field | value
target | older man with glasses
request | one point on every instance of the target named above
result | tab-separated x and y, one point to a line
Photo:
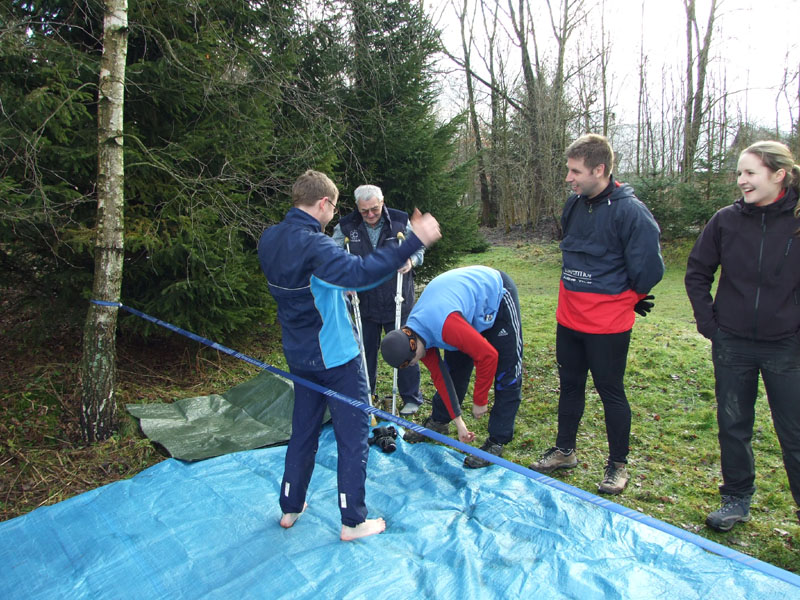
370	226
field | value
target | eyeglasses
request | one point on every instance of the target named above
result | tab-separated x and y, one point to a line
372	210
334	206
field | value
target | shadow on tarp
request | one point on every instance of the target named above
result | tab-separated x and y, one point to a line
254	414
210	529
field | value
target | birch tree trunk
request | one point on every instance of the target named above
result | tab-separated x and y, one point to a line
98	365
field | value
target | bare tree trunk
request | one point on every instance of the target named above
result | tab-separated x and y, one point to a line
796	124
98	365
693	108
640	113
498	136
488	212
605	51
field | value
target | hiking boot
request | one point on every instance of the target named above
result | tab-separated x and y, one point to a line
409	408
555	458
475	462
733	510
615	480
412	437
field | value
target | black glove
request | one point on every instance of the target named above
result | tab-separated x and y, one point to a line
643	306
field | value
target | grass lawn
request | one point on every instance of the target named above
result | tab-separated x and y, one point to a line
674	459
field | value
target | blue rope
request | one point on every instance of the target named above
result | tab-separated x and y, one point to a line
682	534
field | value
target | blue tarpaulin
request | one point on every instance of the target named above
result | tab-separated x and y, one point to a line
210	529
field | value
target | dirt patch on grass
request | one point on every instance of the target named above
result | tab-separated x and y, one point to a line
513	235
43	459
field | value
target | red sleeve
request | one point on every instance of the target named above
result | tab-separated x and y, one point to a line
457	332
442	381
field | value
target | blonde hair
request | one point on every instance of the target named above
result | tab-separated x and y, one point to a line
312	186
777	156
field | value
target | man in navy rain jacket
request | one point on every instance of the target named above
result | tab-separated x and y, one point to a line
611	259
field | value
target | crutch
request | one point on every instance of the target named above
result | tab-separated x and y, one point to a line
357	317
398	302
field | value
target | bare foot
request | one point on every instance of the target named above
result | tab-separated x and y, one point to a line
368	527
288	519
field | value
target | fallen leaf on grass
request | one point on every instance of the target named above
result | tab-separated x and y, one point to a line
781	532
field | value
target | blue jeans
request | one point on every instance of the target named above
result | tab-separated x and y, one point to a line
606	356
737	365
351	428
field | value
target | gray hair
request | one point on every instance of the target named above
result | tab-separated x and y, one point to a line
365	192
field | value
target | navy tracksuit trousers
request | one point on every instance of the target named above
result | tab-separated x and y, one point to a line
351	428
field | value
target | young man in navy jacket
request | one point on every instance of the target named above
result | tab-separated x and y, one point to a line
308	275
611	260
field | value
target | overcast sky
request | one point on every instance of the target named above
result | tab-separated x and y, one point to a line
753	42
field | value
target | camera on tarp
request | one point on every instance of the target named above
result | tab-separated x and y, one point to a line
384	438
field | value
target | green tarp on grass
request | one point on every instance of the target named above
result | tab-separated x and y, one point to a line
254	414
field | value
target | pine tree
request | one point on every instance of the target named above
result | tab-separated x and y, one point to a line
396	140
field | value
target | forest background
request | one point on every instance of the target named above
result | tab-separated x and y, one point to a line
226	102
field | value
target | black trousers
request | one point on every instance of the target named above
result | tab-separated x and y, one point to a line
506	336
606	356
737	365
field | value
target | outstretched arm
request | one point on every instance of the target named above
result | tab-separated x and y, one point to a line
457	332
443	382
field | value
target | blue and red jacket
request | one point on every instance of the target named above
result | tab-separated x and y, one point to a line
452	311
611	259
308	274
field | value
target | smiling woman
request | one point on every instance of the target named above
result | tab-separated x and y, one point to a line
754	320
760	185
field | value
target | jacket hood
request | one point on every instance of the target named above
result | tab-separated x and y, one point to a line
301	217
617	191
